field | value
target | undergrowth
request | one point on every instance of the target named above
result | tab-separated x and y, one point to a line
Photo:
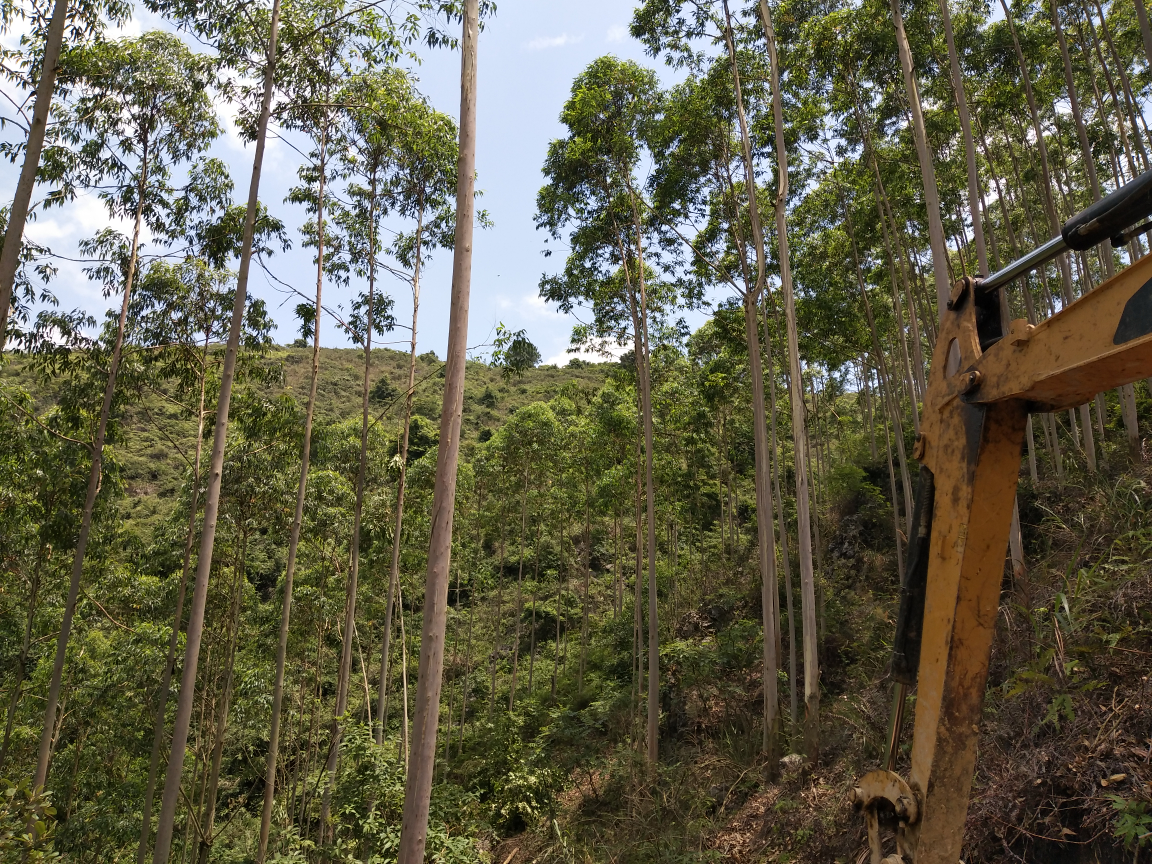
1065	760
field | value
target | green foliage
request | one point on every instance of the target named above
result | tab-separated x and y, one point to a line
27	823
1133	825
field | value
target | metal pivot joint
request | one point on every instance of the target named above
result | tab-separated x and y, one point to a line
885	795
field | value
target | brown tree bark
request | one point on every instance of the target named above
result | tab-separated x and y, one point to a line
927	170
297	523
95	476
195	628
33	147
418	788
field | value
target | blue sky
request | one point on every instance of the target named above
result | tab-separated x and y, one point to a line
529	54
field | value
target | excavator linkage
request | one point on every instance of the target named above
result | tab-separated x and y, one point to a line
984	381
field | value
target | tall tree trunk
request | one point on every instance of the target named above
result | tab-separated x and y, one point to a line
297	520
888	398
895	500
1125	84
467	674
638	297
405	744
220	727
394	570
958	91
34	146
535	584
418	788
764	504
95	476
587	580
497	625
343	681
1145	29
519	589
178	617
783	527
175	771
799	435
927	170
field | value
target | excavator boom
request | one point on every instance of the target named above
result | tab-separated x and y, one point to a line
985	379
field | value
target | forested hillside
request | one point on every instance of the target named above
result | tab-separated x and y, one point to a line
315	603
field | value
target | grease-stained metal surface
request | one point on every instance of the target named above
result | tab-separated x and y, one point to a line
972	433
1101	341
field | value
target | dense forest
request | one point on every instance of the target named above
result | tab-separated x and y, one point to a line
313	603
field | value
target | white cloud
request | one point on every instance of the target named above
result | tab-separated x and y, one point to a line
615	352
543	43
616	33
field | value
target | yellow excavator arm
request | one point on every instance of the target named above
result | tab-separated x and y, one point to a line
987	375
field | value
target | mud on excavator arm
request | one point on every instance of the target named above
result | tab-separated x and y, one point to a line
986	377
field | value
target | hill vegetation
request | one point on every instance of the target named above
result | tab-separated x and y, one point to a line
312	604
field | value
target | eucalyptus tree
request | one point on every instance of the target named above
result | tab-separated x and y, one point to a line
34	71
700	157
142	107
418	786
180	309
323	46
527	446
175	772
407	164
594	191
925	156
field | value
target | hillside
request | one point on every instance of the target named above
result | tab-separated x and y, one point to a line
550	767
157	436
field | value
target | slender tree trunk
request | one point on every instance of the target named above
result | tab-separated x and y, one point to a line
178	617
974	197
95	477
418	788
175	772
644	377
220	727
519	589
587	580
467	674
869	421
497	625
1145	30
799	435
784	553
394	571
343	681
888	398
764	504
535	584
405	748
297	523
927	171
895	503
34	146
